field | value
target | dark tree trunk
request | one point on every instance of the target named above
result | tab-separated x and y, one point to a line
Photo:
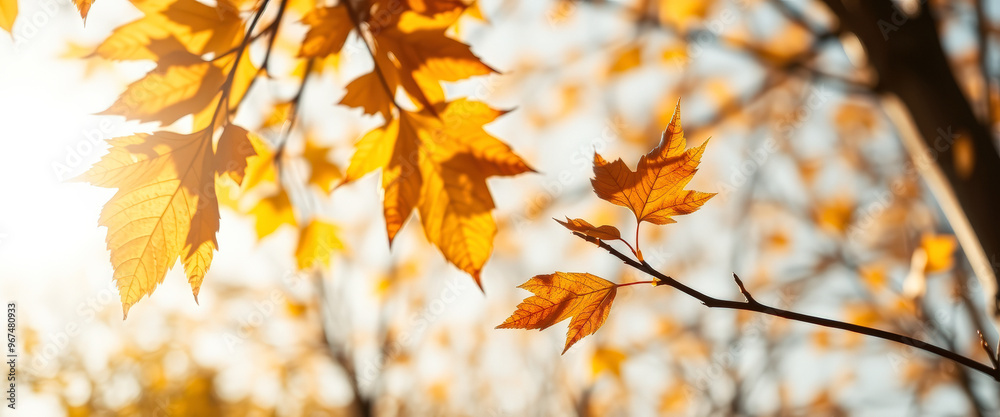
906	53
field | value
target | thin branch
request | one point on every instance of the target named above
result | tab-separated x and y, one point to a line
274	35
982	24
228	84
986	347
293	114
755	306
378	70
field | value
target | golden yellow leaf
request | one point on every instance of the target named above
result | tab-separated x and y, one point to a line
278	115
184	25
835	214
394	149
271	212
165	208
456	211
260	167
322	173
171	91
607	359
626	59
8	13
584	297
316	243
940	250
655	191
681	14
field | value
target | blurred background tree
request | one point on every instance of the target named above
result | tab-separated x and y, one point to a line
853	151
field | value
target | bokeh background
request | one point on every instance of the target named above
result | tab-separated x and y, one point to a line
820	210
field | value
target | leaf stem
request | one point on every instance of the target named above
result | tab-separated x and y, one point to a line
635	283
637	251
752	305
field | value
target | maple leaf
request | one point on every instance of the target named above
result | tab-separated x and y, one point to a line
439	165
165	208
328	30
584	297
170	26
8	12
180	85
655	190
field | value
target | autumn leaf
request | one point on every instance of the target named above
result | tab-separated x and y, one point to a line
579	225
8	12
180	86
584	297
236	146
272	212
940	250
439	165
655	190
84	7
322	173
328	30
173	26
165	209
316	243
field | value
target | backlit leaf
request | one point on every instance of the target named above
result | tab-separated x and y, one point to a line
603	232
8	13
584	297
165	209
655	190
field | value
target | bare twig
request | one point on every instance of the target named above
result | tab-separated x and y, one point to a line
754	306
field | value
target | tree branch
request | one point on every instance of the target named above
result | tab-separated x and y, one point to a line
753	305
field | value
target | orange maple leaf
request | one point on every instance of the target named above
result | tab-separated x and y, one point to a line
584	297
655	190
439	165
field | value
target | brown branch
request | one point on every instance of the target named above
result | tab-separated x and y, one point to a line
752	305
